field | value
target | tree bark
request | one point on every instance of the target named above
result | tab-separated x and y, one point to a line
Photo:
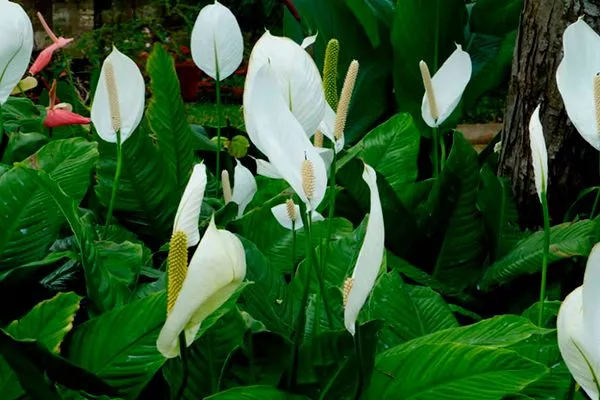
573	164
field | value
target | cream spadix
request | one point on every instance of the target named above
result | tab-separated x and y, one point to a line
578	327
217	44
16	46
216	270
244	187
298	81
290	153
368	263
120	98
444	90
539	154
577	80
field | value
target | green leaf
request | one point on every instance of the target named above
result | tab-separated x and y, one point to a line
206	358
392	149
167	117
120	345
367	19
146	200
30	220
19	114
461	254
22	145
566	240
48	322
253	393
495	17
416	28
451	371
499	212
123	261
408	311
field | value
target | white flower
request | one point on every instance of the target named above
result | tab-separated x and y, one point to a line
578	81
369	258
444	90
578	328
15	47
216	270
298	81
244	187
291	154
539	154
217	44
120	98
188	212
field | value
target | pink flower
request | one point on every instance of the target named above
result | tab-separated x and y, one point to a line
61	114
44	58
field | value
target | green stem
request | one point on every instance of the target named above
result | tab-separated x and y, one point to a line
332	194
1	124
115	186
184	362
434	151
595	206
294	269
443	151
545	257
219	119
360	362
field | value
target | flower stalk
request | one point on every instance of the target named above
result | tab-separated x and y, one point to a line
545	256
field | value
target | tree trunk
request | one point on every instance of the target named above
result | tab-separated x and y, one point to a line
573	164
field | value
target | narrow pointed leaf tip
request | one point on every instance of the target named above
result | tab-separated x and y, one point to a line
16	46
216	270
188	212
120	98
369	258
291	152
298	79
578	325
577	82
244	187
217	44
443	93
539	154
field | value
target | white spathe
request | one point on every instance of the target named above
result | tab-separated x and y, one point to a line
216	270
217	44
188	212
575	79
539	153
267	111
244	187
298	78
130	96
280	212
16	46
578	327
370	255
449	83
327	128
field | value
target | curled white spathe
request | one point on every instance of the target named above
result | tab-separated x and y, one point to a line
280	212
578	327
449	83
130	93
16	46
575	79
217	44
539	153
370	256
287	149
216	270
298	80
188	212
244	187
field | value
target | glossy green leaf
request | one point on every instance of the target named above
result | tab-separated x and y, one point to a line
495	17
566	241
29	218
167	117
22	145
254	393
367	19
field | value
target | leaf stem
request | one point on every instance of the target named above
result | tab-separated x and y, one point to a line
184	362
544	257
360	362
115	186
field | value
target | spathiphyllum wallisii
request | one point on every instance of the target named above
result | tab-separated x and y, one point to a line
185	233
330	74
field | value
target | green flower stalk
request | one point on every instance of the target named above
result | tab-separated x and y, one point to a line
330	68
